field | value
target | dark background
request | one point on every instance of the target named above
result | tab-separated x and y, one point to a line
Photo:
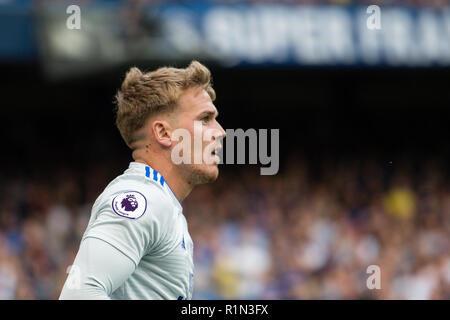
322	113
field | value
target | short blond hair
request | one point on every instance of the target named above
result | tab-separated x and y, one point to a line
144	94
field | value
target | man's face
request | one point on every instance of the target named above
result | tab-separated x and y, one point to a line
197	114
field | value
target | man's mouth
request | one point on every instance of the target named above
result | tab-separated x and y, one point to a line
216	150
215	154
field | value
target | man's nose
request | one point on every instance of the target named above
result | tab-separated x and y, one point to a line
222	132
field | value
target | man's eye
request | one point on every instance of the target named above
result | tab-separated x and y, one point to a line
204	120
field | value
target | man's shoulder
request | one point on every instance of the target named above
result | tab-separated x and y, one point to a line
132	195
136	180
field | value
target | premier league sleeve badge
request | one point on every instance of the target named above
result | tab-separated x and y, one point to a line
130	204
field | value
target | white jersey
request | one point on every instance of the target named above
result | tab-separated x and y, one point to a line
139	215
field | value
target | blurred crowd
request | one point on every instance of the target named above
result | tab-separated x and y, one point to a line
309	232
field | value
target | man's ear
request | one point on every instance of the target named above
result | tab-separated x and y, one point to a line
162	132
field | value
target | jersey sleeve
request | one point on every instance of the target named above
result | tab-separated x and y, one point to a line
99	269
131	220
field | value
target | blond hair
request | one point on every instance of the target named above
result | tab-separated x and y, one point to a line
144	94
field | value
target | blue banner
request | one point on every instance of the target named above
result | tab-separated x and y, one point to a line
117	32
17	38
309	35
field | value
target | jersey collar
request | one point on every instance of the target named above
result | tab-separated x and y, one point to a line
154	175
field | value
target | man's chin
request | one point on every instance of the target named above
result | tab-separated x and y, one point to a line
205	174
212	173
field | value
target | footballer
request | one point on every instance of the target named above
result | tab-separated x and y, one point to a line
137	244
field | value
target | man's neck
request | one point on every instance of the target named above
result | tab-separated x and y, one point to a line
177	184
